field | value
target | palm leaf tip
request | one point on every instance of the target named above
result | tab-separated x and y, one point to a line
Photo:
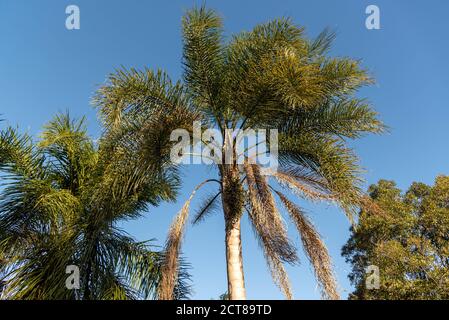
265	217
279	274
169	269
170	262
315	249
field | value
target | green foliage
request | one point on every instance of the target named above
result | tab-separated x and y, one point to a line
409	242
60	202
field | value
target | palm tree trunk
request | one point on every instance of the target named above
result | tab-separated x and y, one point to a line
232	200
234	262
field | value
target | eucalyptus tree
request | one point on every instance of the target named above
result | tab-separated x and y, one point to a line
272	77
60	204
408	244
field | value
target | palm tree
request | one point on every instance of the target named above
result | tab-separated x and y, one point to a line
272	77
61	201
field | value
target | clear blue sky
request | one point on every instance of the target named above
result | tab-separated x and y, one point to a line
45	68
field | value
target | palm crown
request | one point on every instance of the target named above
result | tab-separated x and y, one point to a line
272	77
61	201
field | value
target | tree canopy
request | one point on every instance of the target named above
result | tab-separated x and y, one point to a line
61	200
408	242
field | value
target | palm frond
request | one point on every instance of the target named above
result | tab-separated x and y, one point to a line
345	117
265	217
315	249
332	160
299	187
321	44
279	275
70	153
203	57
58	206
209	205
172	249
275	266
18	157
132	95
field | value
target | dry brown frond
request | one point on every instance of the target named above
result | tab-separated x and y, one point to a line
276	267
266	218
279	275
315	250
301	189
306	176
169	267
265	195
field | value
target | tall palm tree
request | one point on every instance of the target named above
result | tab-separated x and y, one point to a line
60	204
272	77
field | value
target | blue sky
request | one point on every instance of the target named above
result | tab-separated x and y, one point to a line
45	68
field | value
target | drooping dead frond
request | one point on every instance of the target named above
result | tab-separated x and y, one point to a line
300	188
276	267
305	175
315	250
279	275
266	218
172	247
265	196
169	267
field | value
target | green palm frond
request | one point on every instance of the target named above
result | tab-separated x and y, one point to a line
70	152
18	157
321	44
203	59
330	159
342	118
60	202
134	95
